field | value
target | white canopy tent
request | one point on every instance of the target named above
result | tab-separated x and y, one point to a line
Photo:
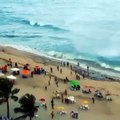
72	99
15	69
11	77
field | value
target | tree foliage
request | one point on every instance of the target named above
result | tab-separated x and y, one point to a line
27	106
7	92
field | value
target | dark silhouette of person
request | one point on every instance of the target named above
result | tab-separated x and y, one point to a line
62	98
46	88
64	64
58	67
52	105
52	101
49	82
16	65
65	92
89	90
55	78
45	107
52	114
78	87
32	74
60	70
51	70
93	100
88	71
67	79
67	64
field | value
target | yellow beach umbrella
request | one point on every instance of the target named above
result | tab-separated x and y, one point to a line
85	102
60	108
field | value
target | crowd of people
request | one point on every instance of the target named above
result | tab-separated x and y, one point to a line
62	96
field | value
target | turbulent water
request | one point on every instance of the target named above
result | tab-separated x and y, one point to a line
71	29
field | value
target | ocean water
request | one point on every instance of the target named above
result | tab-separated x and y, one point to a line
69	29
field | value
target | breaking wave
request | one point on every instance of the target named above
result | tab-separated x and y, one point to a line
41	25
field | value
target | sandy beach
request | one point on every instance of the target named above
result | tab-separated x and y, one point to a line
101	110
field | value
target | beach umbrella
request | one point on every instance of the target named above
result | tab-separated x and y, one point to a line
42	99
71	98
1	74
25	72
15	69
74	82
37	66
11	77
85	102
59	108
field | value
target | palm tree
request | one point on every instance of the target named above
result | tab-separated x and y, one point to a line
27	106
7	92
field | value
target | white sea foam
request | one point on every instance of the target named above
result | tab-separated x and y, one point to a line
105	65
117	69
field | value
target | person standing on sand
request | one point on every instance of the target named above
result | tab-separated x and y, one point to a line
51	70
61	70
58	67
67	80
62	98
52	114
65	92
52	106
88	71
45	106
64	81
63	64
55	78
46	88
89	90
52	101
32	74
67	64
49	82
16	65
93	100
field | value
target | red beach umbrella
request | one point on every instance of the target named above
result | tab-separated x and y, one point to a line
37	66
25	72
42	99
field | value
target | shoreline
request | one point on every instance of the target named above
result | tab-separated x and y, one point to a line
84	61
44	59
